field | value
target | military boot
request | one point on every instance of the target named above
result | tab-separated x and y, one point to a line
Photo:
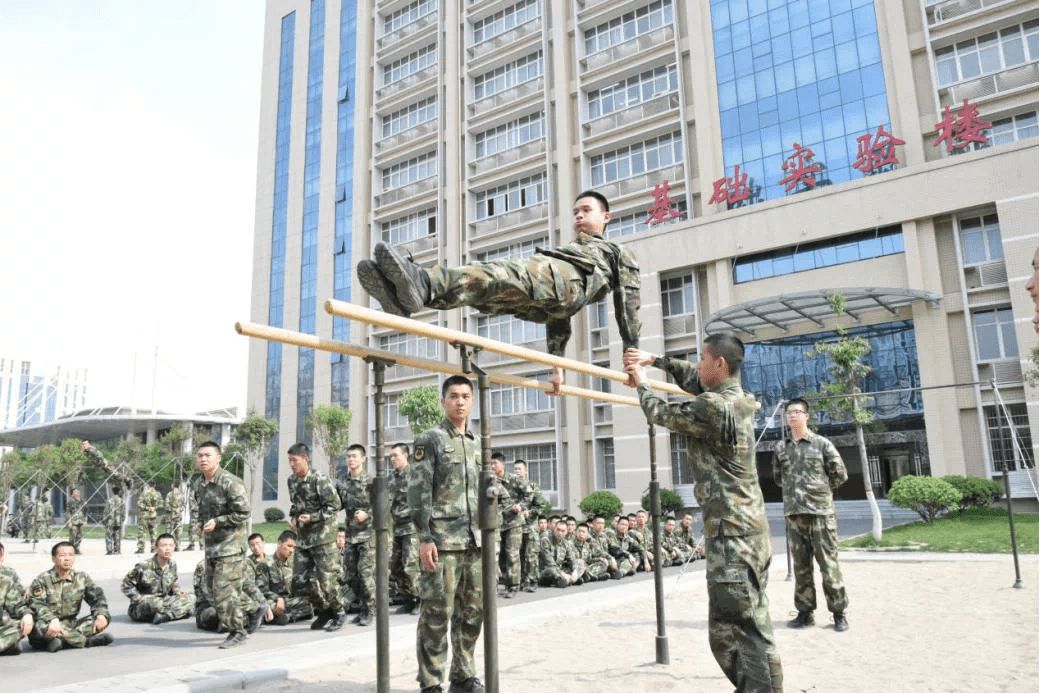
470	684
379	287
804	619
840	622
410	281
102	639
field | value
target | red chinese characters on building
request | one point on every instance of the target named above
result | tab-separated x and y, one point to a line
800	168
877	151
731	190
662	209
960	129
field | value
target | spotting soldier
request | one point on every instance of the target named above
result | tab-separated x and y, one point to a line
175	514
643	540
359	561
148	503
257	552
113	520
77	519
16	619
55	597
152	587
404	557
673	552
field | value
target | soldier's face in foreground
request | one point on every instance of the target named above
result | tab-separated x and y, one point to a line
300	465
65	559
712	369
208	461
598	525
398	458
581	533
520	470
590	217
355	461
669	525
458	403
560	531
687	520
256	546
164	548
286	549
622	526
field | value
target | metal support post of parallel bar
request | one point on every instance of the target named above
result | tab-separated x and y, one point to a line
1007	486
380	522
661	641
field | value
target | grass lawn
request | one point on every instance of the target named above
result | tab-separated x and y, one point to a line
978	530
268	530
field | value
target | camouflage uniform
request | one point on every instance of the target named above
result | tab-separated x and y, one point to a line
442	495
206	614
274	578
549	287
532	501
12	608
643	543
404	557
511	530
194	526
359	559
623	548
600	546
53	598
152	589
148	504
315	562
672	544
42	516
596	566
113	519
77	519
807	470
26	516
223	499
721	452
558	562
174	515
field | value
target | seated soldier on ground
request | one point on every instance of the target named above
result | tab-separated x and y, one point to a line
643	540
560	567
673	553
597	568
253	604
622	548
55	597
601	545
275	580
256	554
18	621
152	587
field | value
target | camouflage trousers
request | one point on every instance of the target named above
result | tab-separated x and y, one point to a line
318	571
76	633
404	564
509	554
555	576
194	535
529	556
595	569
146	527
41	530
816	536
206	617
740	631
176	606
76	535
297	608
626	564
113	538
359	569
227	590
10	634
537	289
451	593
174	527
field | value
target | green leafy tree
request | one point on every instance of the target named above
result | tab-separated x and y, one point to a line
421	406
842	398
46	464
330	427
255	435
13	466
976	492
174	440
601	503
929	496
671	502
72	461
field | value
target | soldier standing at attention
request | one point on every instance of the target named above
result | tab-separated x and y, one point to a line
55	597
77	519
113	520
807	467
148	504
194	526
26	508
313	511
404	557
532	502
359	558
14	605
511	532
223	511
549	287
442	493
175	514
152	587
42	516
721	451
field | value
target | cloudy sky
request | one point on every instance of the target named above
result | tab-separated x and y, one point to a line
128	140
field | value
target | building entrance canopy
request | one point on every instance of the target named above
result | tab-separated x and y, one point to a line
786	311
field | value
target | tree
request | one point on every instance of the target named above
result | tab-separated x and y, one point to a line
174	439
255	435
45	460
601	503
842	399
421	406
929	496
71	460
330	426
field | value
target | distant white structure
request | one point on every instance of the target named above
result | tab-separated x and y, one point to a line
37	392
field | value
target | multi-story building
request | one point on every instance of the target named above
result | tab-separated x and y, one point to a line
760	158
33	392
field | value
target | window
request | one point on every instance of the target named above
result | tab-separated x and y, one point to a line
507	76
410	228
986	54
410	64
506	400
627	225
677	295
410	116
412	345
510	197
509	329
602	411
605	464
415	169
408	15
516	250
980	239
392	418
633	91
541	465
634	160
502	21
509	136
1007	130
682	472
995	334
628	26
1003	439
845	249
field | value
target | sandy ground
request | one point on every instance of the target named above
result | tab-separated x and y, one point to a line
916	626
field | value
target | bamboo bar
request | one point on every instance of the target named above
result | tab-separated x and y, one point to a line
382	319
290	337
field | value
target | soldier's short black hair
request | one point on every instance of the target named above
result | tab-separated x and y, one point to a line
622	518
455	381
252	537
210	444
286	535
300	450
519	461
116	489
729	347
598	517
164	536
57	545
498	456
357	447
593	194
797	401
583	525
404	447
341	529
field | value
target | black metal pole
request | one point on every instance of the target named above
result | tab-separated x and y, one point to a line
1007	495
381	526
661	641
488	512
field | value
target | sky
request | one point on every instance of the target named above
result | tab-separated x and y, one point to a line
128	141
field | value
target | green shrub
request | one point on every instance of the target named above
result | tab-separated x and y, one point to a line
670	502
976	492
601	503
929	496
273	514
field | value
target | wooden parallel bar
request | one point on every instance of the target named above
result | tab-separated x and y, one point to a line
291	337
382	319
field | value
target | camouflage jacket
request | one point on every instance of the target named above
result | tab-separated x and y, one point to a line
314	495
203	586
557	554
51	597
510	492
149	578
670	540
607	267
356	495
443	487
399	509
114	511
720	448
643	538
148	504
623	546
12	596
174	504
532	500
223	499
583	550
274	578
598	544
76	514
44	511
686	537
807	470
